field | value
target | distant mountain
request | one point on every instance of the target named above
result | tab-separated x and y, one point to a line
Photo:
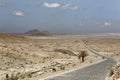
36	32
32	31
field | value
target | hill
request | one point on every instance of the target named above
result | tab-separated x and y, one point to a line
10	36
36	32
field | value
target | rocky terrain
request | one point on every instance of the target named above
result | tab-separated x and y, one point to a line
33	58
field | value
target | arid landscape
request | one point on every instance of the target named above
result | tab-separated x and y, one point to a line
33	58
24	57
59	39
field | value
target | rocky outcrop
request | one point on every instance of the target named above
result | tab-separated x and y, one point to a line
115	73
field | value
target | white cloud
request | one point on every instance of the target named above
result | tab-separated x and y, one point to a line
69	6
60	6
107	24
18	13
51	5
103	24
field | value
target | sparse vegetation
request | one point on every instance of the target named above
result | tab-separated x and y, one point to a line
13	76
82	55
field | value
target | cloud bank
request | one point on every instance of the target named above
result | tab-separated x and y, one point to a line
60	6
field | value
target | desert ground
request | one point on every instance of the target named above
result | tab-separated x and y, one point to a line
34	58
108	45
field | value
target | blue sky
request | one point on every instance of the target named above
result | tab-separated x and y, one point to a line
61	16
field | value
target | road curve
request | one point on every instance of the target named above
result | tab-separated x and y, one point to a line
97	71
91	50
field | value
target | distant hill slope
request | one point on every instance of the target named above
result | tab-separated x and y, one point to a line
36	32
11	36
32	31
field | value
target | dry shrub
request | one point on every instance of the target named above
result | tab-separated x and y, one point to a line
82	55
62	67
13	76
111	72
